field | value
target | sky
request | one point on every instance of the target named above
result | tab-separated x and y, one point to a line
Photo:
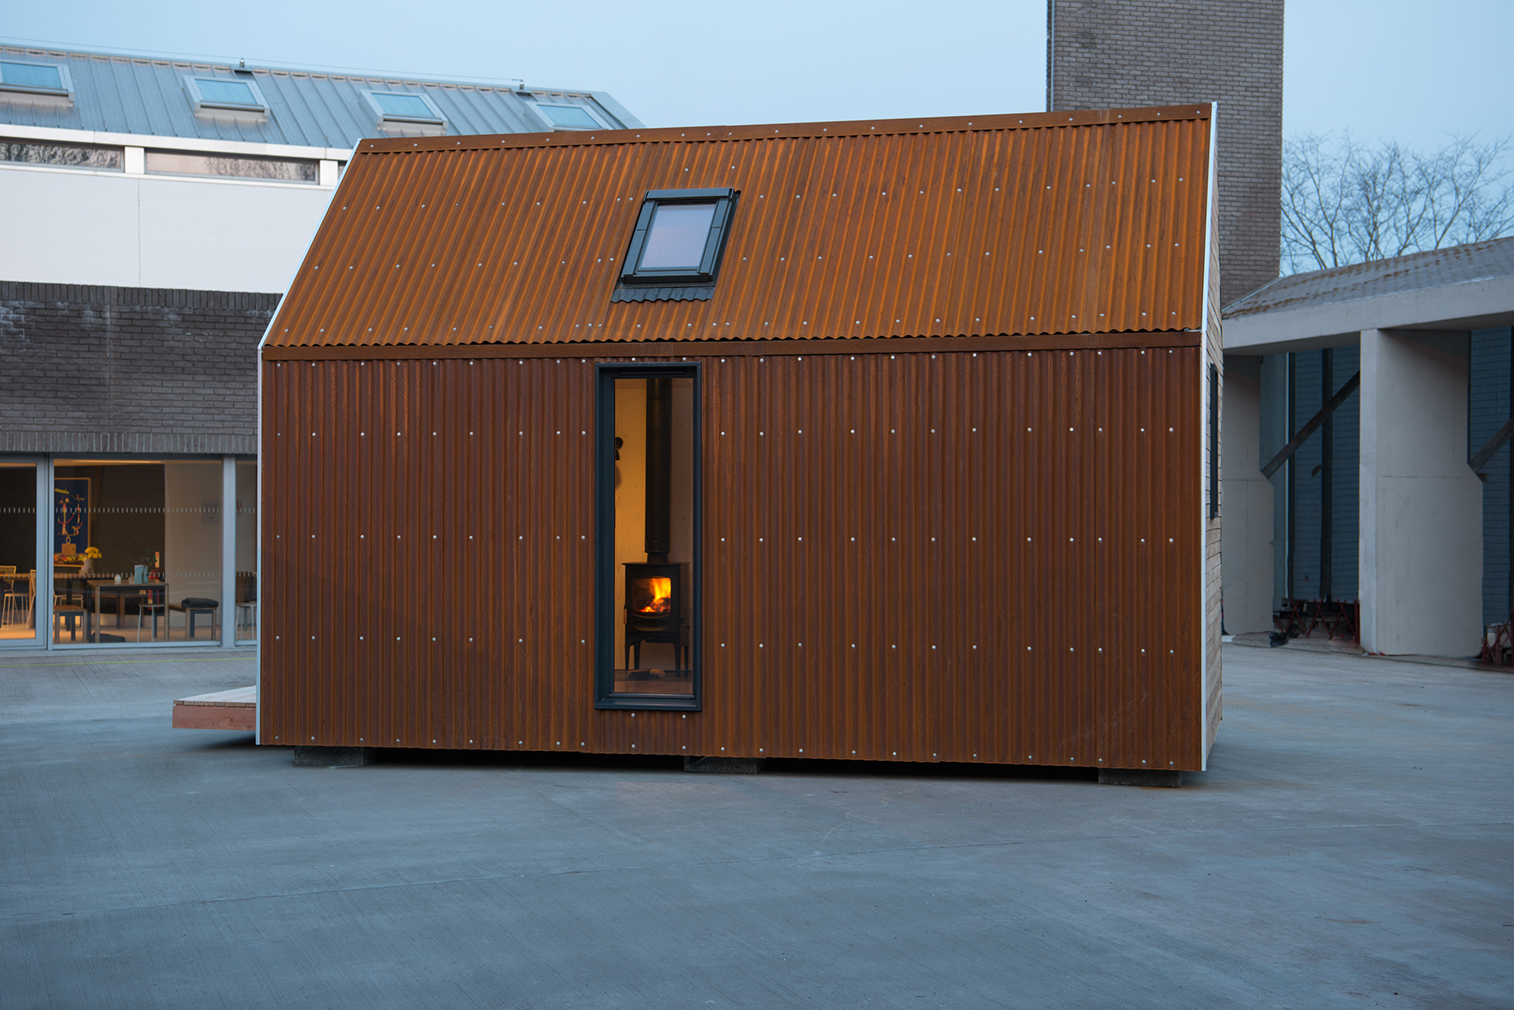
1399	70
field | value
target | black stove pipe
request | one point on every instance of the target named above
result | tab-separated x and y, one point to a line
659	469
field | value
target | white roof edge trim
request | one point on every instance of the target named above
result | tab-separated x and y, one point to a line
13	131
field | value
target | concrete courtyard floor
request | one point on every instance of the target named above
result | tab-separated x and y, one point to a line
1350	846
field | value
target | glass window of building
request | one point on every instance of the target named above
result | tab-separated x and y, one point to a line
232	166
647	563
137	548
18	553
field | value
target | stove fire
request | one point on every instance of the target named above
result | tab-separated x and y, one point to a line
652	595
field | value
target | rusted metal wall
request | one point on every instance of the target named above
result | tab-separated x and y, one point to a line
1003	225
925	556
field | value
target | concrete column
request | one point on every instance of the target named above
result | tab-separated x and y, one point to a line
1246	525
1420	552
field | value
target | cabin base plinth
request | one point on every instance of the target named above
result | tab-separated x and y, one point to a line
333	757
1139	777
723	765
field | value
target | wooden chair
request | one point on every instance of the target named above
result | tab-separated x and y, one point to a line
19	601
247	598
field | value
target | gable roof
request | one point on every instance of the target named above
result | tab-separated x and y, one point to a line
145	96
1065	222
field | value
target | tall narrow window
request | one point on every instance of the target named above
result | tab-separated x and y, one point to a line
647	545
1214	441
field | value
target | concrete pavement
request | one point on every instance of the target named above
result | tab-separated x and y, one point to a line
1349	847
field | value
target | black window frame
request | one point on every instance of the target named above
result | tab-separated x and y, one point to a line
631	272
605	574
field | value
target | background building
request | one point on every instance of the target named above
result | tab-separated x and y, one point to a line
1378	502
155	211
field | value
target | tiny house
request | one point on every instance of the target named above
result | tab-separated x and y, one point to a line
870	440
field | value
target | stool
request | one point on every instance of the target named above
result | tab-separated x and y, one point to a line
192	605
152	603
70	613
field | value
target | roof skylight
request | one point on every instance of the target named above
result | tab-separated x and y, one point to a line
568	117
679	237
405	107
241	95
34	78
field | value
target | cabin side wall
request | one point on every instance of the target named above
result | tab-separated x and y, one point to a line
914	556
1213	356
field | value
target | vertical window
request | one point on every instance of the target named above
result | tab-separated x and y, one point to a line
1214	441
647	538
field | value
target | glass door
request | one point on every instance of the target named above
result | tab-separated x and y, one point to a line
24	611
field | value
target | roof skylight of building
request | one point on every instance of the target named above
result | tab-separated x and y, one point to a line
208	93
568	117
679	237
34	78
405	107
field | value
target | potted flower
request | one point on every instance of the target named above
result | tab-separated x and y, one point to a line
91	555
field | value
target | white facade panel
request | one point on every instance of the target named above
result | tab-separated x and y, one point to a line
73	227
110	228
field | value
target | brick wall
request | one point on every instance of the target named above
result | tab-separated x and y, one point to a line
131	370
1112	53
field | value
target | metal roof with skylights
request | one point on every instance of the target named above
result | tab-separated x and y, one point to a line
107	93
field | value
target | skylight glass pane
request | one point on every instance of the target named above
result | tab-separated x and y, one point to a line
568	115
29	75
407	106
677	236
226	92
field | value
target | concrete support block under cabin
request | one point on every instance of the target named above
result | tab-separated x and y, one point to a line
1140	777
723	765
334	757
1420	555
1246	537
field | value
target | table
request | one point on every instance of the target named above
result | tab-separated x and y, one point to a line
122	591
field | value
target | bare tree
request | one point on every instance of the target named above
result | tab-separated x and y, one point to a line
1346	202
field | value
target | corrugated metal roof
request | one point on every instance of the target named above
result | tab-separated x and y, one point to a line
1043	223
1477	261
146	96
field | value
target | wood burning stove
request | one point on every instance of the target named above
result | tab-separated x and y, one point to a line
657	609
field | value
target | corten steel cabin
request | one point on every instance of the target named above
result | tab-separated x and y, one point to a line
873	440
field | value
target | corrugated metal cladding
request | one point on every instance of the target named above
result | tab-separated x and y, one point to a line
930	557
1038	224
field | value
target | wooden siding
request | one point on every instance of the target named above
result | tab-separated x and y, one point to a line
1213	593
966	556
